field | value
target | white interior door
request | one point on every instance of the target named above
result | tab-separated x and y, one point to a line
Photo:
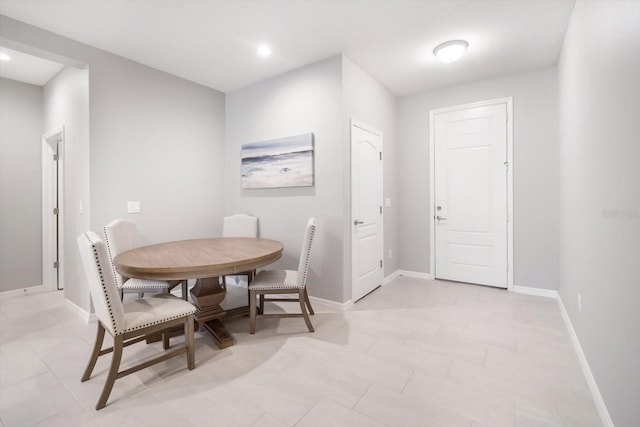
366	209
470	149
52	148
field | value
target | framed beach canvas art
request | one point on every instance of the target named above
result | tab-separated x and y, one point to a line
282	162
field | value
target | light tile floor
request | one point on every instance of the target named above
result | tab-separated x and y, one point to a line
413	353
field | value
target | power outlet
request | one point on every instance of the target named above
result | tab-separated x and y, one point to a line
579	303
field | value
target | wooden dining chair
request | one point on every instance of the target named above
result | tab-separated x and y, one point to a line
239	225
130	322
120	236
284	282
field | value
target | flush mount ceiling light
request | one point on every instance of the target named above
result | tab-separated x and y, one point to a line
450	51
264	50
4	56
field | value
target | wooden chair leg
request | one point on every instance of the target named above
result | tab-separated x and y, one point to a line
165	339
188	336
185	290
306	299
118	343
97	346
140	294
261	307
303	307
252	312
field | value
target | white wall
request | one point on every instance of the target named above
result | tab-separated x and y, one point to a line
535	171
22	119
66	102
599	84
305	100
367	101
153	137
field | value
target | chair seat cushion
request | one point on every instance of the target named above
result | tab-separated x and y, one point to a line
135	283
275	279
149	311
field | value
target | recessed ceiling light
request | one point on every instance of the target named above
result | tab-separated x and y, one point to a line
4	56
264	50
450	51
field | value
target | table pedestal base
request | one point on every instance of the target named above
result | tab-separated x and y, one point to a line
207	295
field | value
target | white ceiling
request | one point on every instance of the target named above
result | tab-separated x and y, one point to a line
28	68
214	42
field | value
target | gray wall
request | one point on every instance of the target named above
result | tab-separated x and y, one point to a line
321	98
367	101
535	171
599	84
305	100
66	102
22	118
153	137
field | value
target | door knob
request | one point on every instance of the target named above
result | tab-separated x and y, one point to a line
356	222
440	218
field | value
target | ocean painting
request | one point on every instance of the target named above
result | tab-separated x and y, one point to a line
283	162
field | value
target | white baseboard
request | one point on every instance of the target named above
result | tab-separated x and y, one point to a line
407	273
591	381
390	278
341	306
538	292
86	316
24	291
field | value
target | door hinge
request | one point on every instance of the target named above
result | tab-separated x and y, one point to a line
55	157
381	155
380	263
56	211
56	264
380	210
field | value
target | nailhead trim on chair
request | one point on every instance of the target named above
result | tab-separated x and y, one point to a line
147	284
303	282
104	287
113	267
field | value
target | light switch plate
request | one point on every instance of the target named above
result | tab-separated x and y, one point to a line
387	202
133	207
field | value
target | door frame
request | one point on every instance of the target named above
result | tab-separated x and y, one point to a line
49	281
355	123
432	113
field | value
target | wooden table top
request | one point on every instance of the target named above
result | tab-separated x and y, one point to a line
198	258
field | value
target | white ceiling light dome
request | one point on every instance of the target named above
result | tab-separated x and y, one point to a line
264	50
450	51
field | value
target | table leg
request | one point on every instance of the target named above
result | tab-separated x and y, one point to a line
207	295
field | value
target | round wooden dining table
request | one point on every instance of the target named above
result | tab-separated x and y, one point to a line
204	260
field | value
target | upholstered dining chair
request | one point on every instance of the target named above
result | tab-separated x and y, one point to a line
130	322
284	282
120	236
239	225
